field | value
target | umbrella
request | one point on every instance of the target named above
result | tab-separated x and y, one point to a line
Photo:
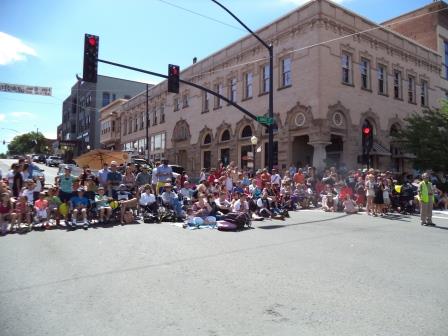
97	157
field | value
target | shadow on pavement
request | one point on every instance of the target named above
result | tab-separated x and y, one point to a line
280	226
397	217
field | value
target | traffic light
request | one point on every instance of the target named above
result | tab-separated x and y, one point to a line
173	78
90	69
367	137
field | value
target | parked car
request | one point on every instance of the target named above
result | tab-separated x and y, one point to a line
54	161
35	158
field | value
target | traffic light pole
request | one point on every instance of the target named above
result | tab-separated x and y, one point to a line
271	84
200	87
147	124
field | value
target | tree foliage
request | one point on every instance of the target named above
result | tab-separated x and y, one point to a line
32	142
426	136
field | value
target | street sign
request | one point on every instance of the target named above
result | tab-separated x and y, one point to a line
265	120
26	89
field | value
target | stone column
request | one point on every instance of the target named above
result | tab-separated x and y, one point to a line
319	155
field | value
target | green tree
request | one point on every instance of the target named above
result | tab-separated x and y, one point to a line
32	142
426	136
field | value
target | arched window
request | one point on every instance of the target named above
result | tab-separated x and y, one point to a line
225	136
247	132
394	130
207	139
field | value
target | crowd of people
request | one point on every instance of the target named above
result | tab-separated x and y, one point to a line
123	193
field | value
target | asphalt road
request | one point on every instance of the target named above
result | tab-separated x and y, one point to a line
314	274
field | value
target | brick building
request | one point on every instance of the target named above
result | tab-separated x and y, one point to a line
324	92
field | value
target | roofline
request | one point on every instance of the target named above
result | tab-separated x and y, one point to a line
387	28
415	11
117	102
299	8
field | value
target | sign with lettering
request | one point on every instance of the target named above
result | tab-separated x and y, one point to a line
26	89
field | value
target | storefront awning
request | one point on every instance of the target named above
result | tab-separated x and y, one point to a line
379	150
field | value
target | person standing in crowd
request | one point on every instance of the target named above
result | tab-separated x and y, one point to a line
426	196
370	193
102	176
17	180
144	177
65	183
129	178
114	179
164	175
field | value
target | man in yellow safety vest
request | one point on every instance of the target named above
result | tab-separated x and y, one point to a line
426	196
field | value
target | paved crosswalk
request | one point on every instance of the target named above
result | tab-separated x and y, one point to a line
440	214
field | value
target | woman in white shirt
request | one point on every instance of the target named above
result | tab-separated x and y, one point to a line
148	200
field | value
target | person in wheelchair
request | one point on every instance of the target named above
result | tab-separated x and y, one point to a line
147	200
79	205
127	202
102	205
170	199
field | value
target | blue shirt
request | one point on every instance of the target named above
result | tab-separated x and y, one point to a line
77	201
115	178
164	173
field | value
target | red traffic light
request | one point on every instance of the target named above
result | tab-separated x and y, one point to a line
92	41
366	130
174	70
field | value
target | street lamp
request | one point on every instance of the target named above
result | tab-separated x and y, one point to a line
254	141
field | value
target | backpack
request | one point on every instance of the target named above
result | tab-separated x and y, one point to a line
226	226
239	219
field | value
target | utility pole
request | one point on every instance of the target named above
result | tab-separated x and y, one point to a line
147	123
271	85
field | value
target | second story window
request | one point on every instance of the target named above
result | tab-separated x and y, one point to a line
424	93
125	126
162	114
382	79
185	100
232	89
398	85
218	88
154	117
411	89
176	103
365	74
142	121
346	63
445	67
205	102
286	72
106	99
248	85
130	126
135	124
265	79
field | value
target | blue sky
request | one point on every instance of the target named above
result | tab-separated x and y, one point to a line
41	43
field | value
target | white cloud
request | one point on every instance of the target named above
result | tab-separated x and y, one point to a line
13	49
301	2
22	115
2	117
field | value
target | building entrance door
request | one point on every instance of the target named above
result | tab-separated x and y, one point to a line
182	159
302	152
334	151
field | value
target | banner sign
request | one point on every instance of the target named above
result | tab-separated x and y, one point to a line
26	89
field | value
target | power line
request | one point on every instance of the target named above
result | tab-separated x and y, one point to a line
201	15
